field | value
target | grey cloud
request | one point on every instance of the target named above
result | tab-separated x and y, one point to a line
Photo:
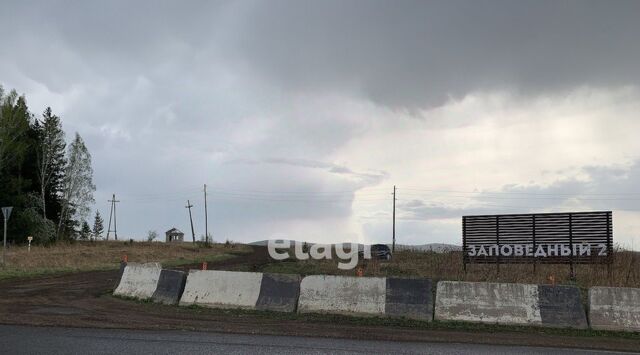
418	210
606	188
364	178
419	53
405	55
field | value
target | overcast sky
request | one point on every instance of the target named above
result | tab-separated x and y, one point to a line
300	116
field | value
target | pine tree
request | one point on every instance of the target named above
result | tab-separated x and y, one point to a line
50	156
98	226
85	231
14	133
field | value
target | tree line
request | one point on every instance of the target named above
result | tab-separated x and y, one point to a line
47	180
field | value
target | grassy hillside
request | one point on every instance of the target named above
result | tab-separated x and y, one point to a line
85	256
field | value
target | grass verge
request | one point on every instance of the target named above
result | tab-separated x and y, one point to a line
322	318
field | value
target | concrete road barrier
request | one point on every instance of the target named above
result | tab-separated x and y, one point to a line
123	264
224	289
614	308
561	307
250	290
410	298
279	292
504	303
378	296
342	294
487	302
139	280
170	287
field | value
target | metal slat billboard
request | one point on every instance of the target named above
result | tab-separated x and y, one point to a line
545	238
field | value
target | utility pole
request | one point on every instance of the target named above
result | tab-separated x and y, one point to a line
115	218
193	233
206	217
115	223
393	246
110	215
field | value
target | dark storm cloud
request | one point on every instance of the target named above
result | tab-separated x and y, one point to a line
406	55
416	53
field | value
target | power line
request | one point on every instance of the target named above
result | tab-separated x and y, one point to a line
154	194
520	193
254	198
253	194
297	196
160	198
538	198
279	192
371	196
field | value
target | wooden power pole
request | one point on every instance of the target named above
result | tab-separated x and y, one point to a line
393	245
193	233
206	217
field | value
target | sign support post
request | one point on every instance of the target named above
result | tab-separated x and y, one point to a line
6	211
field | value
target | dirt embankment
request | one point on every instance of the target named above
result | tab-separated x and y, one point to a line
81	300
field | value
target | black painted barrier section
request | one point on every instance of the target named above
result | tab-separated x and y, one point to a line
410	298
120	272
170	287
561	306
279	292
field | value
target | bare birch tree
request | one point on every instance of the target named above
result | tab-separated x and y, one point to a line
77	186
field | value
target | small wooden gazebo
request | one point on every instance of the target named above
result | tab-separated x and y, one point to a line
174	235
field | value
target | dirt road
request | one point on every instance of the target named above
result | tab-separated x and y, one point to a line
82	300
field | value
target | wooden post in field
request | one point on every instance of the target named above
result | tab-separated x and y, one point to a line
206	217
393	245
193	233
6	211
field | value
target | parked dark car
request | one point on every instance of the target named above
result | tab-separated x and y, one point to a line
378	251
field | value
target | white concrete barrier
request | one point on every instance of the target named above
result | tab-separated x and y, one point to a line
614	308
224	289
252	290
507	303
139	280
500	303
342	294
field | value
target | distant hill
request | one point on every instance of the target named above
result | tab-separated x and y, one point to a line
435	247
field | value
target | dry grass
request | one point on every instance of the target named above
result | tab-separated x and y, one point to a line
84	256
80	256
625	271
